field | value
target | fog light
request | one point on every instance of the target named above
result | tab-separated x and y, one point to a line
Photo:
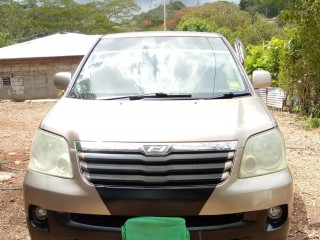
275	214
40	214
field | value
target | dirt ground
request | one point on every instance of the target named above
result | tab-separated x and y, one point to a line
18	122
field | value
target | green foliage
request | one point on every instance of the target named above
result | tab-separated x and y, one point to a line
216	17
259	31
291	70
301	66
255	58
267	57
176	5
268	8
315	110
298	66
25	19
152	19
313	123
196	25
13	19
220	13
5	39
296	109
226	32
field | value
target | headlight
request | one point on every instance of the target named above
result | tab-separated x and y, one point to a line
50	155
263	154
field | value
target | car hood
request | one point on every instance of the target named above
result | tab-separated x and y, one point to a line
158	121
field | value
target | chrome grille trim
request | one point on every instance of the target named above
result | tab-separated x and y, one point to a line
119	168
167	147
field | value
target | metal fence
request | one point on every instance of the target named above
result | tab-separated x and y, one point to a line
272	97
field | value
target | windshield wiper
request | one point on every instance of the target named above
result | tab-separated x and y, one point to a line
148	95
229	95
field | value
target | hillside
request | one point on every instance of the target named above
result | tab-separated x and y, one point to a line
146	5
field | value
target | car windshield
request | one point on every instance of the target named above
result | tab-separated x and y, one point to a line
197	67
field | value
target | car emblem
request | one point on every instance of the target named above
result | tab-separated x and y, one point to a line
156	149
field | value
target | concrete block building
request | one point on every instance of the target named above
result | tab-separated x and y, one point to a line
27	69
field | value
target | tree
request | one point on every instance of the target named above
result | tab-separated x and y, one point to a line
216	17
94	17
267	56
301	64
219	13
259	31
13	20
153	19
118	10
26	19
177	5
5	39
268	8
197	25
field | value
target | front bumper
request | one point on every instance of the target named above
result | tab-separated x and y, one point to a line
244	226
237	209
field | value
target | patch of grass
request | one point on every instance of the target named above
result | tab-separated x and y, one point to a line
313	123
296	109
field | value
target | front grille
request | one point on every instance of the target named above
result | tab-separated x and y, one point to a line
111	168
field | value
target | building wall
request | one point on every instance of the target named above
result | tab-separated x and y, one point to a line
33	78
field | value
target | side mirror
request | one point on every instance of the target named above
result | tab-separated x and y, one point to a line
261	79
239	50
62	80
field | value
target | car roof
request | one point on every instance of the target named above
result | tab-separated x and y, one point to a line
161	34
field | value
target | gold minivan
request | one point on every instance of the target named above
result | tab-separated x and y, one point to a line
162	124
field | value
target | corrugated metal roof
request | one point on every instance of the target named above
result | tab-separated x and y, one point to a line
57	45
